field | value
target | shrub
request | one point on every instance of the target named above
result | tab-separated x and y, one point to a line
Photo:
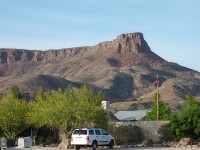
126	134
147	142
164	134
164	111
184	125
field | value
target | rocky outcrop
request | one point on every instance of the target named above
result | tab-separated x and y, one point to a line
125	43
132	42
128	50
13	55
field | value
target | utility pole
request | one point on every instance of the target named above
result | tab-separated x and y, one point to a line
157	99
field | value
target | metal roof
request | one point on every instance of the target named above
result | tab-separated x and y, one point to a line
131	115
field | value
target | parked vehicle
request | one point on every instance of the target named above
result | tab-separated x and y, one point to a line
91	137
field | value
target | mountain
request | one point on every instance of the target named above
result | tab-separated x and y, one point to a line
124	69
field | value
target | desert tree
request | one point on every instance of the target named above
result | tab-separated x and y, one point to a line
187	124
69	109
164	111
13	110
15	91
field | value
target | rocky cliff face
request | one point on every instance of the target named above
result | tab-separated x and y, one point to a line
132	42
124	69
13	55
125	43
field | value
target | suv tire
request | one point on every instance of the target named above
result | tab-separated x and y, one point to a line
111	144
94	145
77	147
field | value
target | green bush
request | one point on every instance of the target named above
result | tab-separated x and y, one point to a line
147	142
39	140
126	134
164	134
164	111
184	125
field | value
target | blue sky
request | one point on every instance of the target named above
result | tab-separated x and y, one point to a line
171	27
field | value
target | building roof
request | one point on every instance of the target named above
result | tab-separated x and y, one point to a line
131	115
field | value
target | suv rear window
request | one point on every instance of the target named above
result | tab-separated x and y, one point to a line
80	132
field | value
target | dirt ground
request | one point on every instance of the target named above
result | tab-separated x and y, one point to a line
130	148
115	148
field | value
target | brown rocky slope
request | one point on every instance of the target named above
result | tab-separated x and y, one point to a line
124	69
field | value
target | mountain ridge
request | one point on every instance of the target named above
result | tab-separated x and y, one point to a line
131	42
124	69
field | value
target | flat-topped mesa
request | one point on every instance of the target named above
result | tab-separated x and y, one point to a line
125	43
132	42
130	35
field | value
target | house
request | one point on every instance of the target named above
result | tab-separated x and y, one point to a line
134	115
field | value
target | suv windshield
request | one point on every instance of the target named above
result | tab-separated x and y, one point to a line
103	132
80	132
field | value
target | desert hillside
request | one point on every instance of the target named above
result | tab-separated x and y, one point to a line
124	69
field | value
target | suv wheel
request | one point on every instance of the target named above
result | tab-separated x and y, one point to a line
77	147
94	145
111	144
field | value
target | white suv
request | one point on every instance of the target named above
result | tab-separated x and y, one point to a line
91	137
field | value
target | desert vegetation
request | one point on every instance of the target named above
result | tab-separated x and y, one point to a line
126	135
65	110
183	125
